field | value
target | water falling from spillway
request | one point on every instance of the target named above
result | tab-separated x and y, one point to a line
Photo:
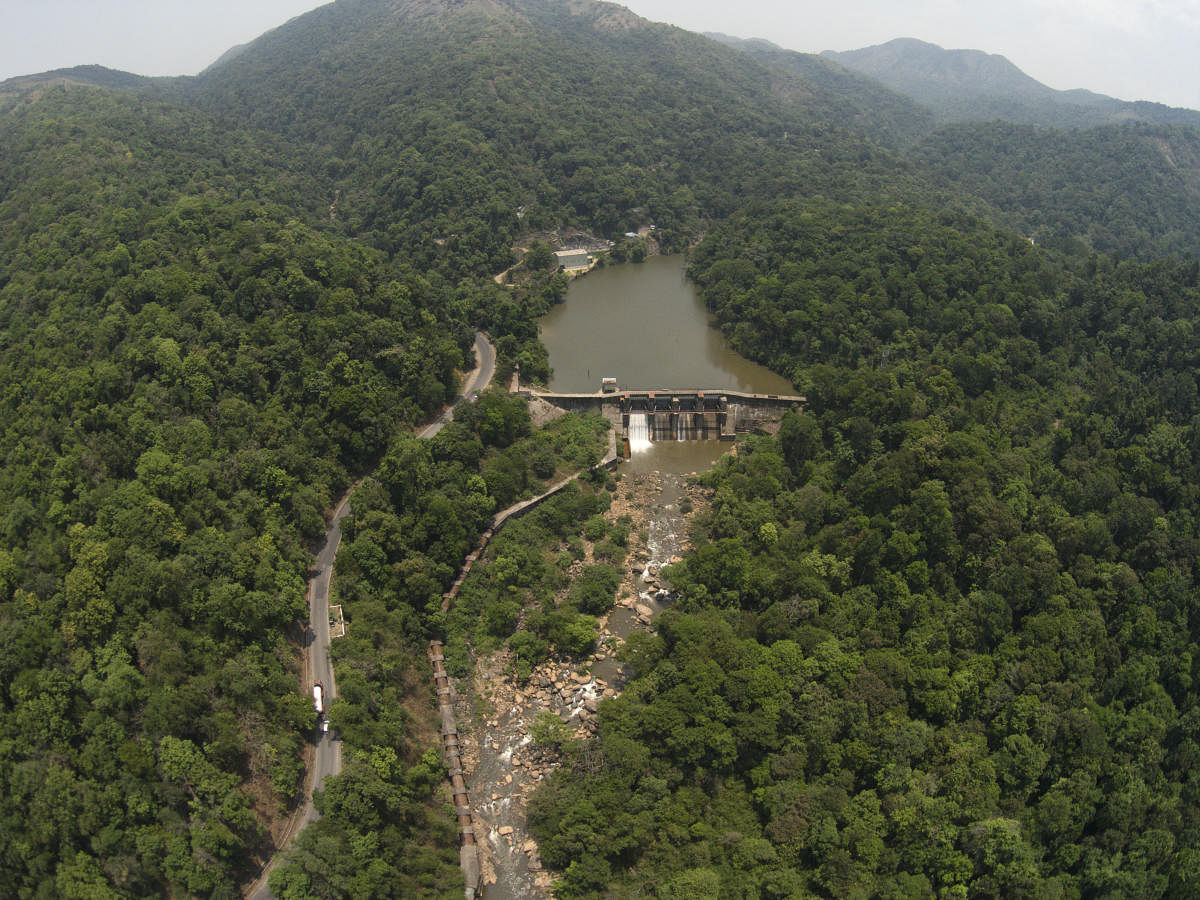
639	433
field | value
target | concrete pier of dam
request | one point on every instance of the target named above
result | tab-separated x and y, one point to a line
677	414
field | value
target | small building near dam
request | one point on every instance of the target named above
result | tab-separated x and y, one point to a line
573	259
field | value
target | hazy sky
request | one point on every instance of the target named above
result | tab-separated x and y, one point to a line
1132	49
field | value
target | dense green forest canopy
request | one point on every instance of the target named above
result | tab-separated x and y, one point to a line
938	636
191	375
446	131
449	129
1128	190
944	622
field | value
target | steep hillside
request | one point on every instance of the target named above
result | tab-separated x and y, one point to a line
100	76
190	376
14	90
1132	189
859	98
969	85
449	127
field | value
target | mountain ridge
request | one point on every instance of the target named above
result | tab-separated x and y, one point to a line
225	298
971	85
579	107
93	75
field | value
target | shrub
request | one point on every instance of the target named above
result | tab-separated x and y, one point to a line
593	592
595	528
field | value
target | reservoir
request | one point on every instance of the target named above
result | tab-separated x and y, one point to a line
645	325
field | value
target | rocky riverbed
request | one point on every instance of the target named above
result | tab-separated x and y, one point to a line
504	765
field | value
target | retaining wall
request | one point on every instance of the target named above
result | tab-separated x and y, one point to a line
468	853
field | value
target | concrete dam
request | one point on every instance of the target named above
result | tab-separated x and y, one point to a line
640	417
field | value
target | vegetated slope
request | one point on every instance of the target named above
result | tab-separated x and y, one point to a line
1129	187
195	361
969	85
447	130
190	377
125	152
1132	189
859	98
939	636
452	127
13	89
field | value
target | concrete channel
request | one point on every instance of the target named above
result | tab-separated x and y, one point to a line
468	855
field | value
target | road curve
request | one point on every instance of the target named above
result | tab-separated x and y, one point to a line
481	377
328	757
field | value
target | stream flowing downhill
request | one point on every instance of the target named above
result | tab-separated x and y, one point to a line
505	765
589	337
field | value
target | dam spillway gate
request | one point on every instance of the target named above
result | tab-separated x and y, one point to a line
691	414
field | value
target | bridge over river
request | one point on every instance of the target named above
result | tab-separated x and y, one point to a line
678	414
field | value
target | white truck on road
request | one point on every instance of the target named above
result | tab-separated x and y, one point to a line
319	706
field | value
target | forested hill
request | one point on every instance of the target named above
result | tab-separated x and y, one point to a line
1075	170
969	85
440	122
190	377
860	96
224	299
445	130
1130	190
100	76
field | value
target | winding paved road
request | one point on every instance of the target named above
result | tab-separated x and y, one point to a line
485	369
328	758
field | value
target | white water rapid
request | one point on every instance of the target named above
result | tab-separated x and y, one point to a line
639	433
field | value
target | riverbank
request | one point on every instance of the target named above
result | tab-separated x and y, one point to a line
503	760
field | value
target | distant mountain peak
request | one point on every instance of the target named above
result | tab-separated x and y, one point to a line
95	75
971	85
907	63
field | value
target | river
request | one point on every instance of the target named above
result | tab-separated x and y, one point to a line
644	325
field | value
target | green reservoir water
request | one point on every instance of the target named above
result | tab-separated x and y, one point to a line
643	324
